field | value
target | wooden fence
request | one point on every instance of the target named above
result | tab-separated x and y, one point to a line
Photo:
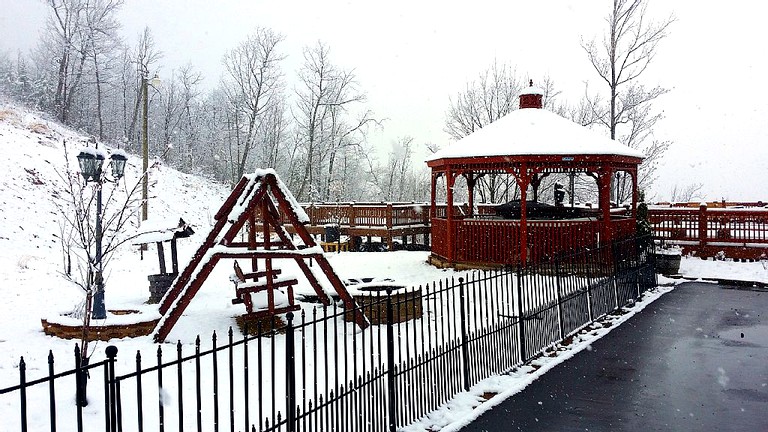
740	233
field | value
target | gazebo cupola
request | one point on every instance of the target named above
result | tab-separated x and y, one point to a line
531	97
526	146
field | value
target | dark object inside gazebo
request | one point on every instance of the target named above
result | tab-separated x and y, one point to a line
528	145
542	211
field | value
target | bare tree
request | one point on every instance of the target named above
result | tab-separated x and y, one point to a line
62	42
620	59
76	35
492	96
252	84
144	57
101	29
190	81
172	112
327	96
686	193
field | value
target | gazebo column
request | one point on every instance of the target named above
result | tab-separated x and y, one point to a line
604	179
635	193
471	181
433	203
523	180
450	240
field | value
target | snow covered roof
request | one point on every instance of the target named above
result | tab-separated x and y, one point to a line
155	230
533	132
532	90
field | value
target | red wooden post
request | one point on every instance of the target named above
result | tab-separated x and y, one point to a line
352	215
389	228
312	214
471	186
252	239
449	240
523	180
433	192
703	224
635	193
604	185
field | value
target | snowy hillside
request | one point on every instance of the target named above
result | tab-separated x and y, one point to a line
31	260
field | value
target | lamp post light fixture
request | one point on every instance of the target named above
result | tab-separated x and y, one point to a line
145	83
91	161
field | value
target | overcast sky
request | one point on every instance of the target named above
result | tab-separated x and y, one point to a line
410	56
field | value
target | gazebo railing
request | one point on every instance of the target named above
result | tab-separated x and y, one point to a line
498	241
624	228
486	241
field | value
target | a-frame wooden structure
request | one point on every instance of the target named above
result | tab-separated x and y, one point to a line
255	203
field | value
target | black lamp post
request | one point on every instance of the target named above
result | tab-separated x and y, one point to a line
91	161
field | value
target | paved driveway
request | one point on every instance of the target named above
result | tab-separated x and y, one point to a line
694	360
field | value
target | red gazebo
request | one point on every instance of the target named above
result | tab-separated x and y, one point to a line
528	144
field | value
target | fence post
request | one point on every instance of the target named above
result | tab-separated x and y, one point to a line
392	408
23	393
51	387
290	373
703	224
521	326
589	262
464	347
559	300
638	267
615	276
111	352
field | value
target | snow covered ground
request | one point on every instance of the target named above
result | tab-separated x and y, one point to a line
33	287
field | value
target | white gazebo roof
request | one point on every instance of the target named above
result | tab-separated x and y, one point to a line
532	131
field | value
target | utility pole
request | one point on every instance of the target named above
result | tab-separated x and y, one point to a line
144	149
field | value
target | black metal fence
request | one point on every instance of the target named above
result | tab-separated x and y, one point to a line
319	372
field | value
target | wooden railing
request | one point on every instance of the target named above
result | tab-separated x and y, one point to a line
368	214
739	233
486	241
439	239
623	227
497	241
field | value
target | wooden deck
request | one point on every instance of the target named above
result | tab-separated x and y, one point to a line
741	233
407	221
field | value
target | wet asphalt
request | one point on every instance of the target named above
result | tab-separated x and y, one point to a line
694	360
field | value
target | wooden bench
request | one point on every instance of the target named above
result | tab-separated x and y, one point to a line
247	284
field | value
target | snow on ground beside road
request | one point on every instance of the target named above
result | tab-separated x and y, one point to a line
691	267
